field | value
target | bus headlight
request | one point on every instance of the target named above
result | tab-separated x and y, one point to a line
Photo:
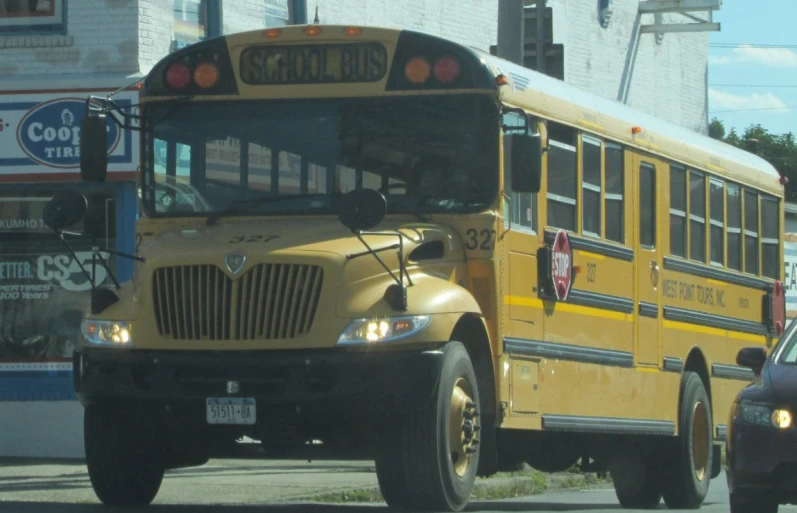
106	333
382	329
763	415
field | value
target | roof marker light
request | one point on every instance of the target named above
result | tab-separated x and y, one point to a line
636	129
352	31
272	33
312	30
501	80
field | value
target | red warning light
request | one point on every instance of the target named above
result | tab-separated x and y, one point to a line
178	76
446	69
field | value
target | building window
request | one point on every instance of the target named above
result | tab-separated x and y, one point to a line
195	20
33	16
285	12
43	290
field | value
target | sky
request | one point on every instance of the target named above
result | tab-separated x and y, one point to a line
753	65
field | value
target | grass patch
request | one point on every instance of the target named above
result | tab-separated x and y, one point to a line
503	485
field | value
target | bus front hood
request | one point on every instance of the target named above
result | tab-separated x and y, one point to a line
162	244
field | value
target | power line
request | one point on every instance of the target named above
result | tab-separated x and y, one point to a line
757	109
753	85
748	45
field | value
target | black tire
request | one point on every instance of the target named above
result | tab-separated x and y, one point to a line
122	455
682	488
740	503
414	465
390	464
635	477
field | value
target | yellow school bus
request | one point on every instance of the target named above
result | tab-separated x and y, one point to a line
389	246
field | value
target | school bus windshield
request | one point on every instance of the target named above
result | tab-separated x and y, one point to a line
426	154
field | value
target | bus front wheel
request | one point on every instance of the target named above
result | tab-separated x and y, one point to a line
122	455
429	461
688	471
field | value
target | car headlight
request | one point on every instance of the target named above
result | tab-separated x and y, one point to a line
382	329
107	333
762	415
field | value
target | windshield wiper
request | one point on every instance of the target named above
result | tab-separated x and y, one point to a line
243	206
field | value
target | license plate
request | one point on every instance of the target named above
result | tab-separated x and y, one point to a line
231	410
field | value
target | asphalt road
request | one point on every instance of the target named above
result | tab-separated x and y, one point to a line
269	487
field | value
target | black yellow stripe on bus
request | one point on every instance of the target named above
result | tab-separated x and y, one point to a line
597	247
610	357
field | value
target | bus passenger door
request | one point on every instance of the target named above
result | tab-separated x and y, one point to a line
648	262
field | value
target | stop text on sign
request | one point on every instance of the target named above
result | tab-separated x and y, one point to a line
561	265
313	64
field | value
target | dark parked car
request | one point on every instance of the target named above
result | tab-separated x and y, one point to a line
761	440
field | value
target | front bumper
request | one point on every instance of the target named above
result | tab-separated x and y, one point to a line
313	380
763	461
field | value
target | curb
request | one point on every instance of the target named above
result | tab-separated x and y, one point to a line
500	486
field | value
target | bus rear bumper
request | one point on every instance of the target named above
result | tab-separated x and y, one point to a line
313	380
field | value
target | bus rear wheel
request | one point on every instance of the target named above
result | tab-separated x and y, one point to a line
122	455
688	471
429	461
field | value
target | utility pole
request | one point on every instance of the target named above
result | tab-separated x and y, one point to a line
540	35
510	30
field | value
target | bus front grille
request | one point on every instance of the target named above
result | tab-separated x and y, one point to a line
270	301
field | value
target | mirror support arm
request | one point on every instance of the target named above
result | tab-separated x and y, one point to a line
400	302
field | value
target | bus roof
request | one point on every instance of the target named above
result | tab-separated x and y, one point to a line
563	102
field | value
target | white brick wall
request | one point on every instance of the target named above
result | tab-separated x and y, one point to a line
101	39
470	22
667	80
130	36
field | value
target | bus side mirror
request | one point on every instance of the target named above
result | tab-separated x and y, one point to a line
93	148
752	357
525	153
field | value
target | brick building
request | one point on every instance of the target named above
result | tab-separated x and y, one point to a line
612	48
53	53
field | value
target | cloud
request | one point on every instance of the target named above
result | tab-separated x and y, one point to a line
773	57
719	100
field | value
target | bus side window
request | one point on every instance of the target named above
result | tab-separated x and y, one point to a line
734	212
592	183
751	231
562	177
615	188
770	244
717	221
678	226
647	211
697	216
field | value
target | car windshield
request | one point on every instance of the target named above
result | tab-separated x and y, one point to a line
787	351
427	154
